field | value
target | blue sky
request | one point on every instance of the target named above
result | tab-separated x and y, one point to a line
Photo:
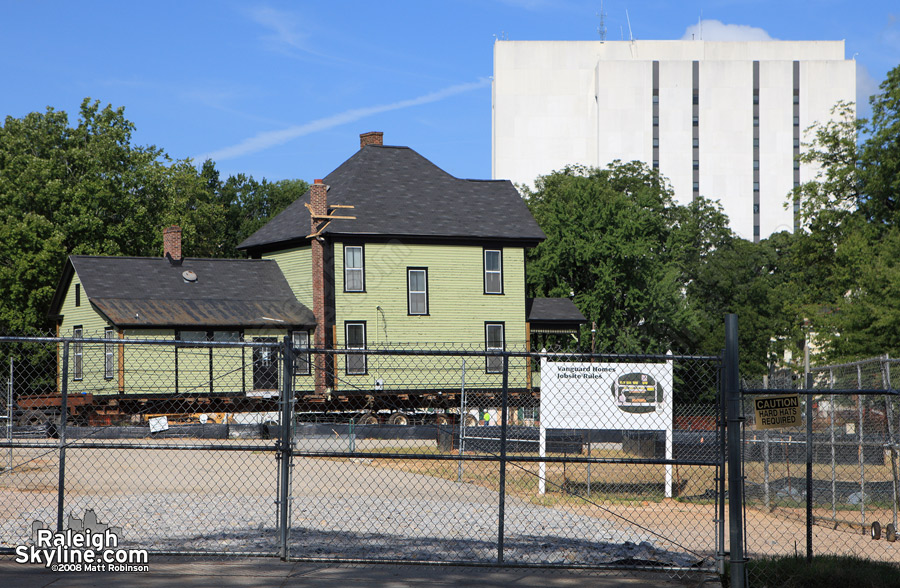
283	89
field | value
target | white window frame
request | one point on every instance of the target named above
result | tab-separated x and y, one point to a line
361	269
494	364
78	354
498	272
302	364
109	354
410	292
350	358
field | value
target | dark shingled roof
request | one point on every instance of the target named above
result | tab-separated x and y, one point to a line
151	292
552	310
397	192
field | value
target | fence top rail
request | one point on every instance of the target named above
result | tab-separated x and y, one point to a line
822	391
564	355
400	349
163	342
859	362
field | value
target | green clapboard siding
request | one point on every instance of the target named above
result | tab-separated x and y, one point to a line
458	309
93	356
296	265
150	369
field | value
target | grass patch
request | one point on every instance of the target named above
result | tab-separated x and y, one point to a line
827	571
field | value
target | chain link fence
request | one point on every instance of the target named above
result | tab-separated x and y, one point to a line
223	443
834	491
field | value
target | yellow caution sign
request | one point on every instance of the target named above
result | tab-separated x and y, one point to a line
775	412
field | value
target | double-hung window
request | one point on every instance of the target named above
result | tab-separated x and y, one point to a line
354	269
493	271
78	354
493	341
356	339
300	341
109	358
417	286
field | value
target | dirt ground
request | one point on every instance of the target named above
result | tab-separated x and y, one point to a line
682	525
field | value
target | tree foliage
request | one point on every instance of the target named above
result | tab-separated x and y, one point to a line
87	189
848	250
615	245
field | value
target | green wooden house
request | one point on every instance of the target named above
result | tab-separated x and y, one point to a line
181	299
387	251
391	251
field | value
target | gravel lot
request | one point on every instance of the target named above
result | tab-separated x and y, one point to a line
204	501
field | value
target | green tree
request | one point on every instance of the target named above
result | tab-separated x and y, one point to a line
752	280
880	154
617	244
846	276
87	189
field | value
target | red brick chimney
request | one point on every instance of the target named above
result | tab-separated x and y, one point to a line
172	243
318	204
371	138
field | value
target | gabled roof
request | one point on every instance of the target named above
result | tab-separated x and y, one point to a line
153	292
398	193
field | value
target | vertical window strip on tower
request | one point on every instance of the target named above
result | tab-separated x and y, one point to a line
796	145
655	99
695	127
756	161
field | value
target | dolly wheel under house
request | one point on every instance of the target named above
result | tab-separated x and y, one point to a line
398	418
367	419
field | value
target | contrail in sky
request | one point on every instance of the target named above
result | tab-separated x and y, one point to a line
272	138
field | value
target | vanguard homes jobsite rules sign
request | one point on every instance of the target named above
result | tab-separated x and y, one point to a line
611	396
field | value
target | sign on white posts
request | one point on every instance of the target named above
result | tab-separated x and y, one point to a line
623	396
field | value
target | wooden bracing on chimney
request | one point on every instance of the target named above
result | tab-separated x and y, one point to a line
326	217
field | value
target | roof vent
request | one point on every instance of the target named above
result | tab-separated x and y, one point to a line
189	276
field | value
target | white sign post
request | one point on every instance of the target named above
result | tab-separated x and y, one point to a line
623	396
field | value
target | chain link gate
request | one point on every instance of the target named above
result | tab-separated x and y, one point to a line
167	443
439	455
830	486
468	474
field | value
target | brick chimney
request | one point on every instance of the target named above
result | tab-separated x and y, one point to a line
172	243
318	203
371	138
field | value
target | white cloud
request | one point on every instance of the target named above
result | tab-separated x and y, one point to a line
890	35
714	30
269	139
282	25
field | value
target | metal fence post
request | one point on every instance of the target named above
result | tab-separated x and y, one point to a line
286	449
721	471
735	500
889	413
862	449
809	464
503	429
64	391
463	412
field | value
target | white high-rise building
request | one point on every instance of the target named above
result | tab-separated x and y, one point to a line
725	120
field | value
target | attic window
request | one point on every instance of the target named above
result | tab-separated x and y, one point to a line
77	294
189	276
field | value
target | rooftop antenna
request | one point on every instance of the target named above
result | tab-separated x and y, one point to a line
629	26
601	30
